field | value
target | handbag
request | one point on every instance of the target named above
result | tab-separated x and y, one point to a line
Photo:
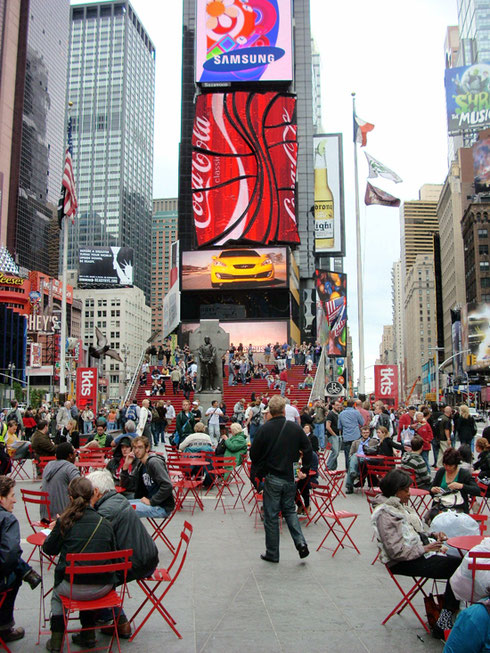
433	606
450	500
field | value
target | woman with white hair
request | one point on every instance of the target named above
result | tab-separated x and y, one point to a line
236	443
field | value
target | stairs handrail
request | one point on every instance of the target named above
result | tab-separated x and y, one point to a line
318	387
132	385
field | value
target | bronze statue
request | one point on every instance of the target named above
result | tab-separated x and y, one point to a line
208	371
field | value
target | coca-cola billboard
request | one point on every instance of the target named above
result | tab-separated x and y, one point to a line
244	168
87	387
386	384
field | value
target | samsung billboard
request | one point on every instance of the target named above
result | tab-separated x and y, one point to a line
243	41
106	266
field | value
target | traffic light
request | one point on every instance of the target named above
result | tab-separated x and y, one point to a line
470	360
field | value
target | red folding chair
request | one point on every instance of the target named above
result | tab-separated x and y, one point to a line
3	645
18	469
33	498
41	464
151	585
482	522
478	561
418	586
78	564
339	522
184	484
484	498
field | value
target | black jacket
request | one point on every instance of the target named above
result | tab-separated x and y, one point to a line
130	533
275	449
10	551
157	469
466	429
75	540
470	488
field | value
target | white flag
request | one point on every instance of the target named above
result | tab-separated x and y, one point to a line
378	169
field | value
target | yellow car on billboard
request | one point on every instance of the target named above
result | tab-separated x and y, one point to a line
241	266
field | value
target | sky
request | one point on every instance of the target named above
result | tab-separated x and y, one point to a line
391	53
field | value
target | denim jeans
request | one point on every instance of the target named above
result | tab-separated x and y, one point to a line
214	432
319	431
346	449
88	427
12	583
279	496
142	510
435	450
425	456
158	429
82	592
282	388
353	471
334	440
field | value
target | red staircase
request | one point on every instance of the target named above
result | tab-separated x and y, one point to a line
233	393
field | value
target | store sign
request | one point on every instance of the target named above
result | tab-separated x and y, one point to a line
36	354
87	387
7	280
386	382
43	323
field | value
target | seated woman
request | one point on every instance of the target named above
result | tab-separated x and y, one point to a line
482	465
403	544
154	389
198	441
69	433
236	444
13	569
122	448
450	479
17	449
79	528
386	445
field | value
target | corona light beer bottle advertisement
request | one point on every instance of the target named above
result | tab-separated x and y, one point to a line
329	197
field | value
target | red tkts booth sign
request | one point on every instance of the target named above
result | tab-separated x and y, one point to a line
386	384
87	387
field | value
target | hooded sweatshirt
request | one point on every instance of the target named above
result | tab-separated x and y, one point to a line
56	478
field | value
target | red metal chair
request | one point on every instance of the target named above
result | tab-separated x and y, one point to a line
184	485
34	498
478	561
151	585
484	498
339	522
77	564
3	645
408	596
41	464
482	522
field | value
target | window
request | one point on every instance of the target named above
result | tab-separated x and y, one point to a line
482	233
482	249
484	265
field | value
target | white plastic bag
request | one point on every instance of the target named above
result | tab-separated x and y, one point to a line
454	524
461	579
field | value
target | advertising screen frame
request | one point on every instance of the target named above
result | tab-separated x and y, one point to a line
330	286
331	154
270	41
233	285
121	275
247	325
467	98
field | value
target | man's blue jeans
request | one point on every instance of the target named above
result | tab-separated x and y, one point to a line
346	448
142	510
282	387
319	431
334	440
425	456
279	496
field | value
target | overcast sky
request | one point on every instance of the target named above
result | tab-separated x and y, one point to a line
391	53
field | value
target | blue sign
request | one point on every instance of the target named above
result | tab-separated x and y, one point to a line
340	361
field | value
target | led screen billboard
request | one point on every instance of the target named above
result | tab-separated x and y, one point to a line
331	311
481	165
106	266
244	267
468	97
243	41
329	195
476	334
258	334
244	168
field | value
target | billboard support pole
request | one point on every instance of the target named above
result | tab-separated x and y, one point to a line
360	307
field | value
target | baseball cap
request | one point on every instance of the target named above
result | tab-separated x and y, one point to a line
195	403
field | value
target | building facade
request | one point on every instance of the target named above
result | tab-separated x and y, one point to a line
111	84
43	133
418	223
164	233
125	319
452	202
419	317
475	227
387	346
474	32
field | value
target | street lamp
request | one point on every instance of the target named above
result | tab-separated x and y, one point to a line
437	350
11	369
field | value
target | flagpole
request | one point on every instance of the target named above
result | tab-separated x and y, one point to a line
360	306
64	269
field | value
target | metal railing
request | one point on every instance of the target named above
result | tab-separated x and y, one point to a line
133	384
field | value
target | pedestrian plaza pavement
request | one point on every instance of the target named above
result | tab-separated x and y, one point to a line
227	600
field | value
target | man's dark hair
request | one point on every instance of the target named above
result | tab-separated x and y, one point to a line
417	442
394	481
451	457
465	453
63	450
14	403
12	422
42	424
412	408
350	403
6	484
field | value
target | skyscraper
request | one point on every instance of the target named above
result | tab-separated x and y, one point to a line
164	233
111	84
43	133
418	222
474	32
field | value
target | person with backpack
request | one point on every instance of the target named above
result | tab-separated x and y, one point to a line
185	423
132	412
17	416
255	420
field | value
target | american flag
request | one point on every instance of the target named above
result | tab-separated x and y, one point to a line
333	309
67	205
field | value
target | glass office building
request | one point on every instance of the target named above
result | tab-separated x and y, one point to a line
112	84
474	31
43	131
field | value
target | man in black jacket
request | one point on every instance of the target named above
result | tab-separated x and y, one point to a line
153	496
276	447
